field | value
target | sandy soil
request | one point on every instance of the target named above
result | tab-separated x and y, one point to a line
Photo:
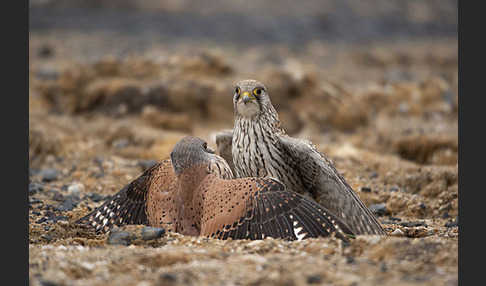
384	112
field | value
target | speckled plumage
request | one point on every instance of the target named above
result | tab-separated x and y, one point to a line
150	199
260	147
187	195
247	208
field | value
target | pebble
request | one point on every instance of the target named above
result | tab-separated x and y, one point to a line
379	209
49	175
34	188
48	283
413	223
366	189
397	232
168	277
149	233
45	51
120	143
76	188
47	74
314	279
394	189
69	203
120	238
57	196
95	197
453	223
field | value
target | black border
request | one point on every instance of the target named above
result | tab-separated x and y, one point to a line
15	133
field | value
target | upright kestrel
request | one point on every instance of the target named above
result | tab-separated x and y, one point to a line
196	201
260	147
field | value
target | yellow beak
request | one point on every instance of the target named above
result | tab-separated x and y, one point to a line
247	97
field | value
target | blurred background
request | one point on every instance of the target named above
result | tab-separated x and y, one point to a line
172	64
113	85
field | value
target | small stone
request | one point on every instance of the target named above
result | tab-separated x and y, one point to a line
397	232
453	223
48	283
121	143
49	175
120	238
413	223
403	107
379	209
69	203
95	197
383	267
149	233
45	73
314	279
147	164
45	51
374	175
394	189
57	196
76	188
34	188
422	206
366	189
168	277
47	237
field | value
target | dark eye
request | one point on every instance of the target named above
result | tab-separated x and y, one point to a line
209	150
258	91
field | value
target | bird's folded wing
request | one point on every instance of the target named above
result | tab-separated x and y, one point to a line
128	206
224	142
322	179
266	209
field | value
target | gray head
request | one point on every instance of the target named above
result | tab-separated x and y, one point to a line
251	98
190	151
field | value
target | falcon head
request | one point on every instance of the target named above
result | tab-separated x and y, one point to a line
193	152
190	151
250	98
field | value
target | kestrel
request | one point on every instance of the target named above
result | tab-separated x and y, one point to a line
150	198
193	200
260	147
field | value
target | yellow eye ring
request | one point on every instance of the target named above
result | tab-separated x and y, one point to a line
258	91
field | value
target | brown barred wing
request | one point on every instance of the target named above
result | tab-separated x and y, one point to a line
273	211
128	206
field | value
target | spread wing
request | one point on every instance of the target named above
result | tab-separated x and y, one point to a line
329	187
128	206
224	141
255	208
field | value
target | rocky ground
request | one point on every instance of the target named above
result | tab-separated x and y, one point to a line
385	112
